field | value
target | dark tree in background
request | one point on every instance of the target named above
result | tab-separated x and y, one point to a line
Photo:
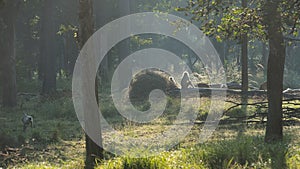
272	19
8	15
244	64
48	48
124	47
86	30
244	57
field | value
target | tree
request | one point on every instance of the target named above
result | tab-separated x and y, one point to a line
48	47
86	30
244	57
272	19
244	61
124	47
68	21
8	15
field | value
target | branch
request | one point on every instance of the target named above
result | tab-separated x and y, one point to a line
262	105
291	38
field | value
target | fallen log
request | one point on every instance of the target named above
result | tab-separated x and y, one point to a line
208	91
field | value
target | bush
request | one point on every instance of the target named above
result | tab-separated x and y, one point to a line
61	108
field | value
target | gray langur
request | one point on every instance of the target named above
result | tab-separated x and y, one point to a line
263	86
186	81
27	120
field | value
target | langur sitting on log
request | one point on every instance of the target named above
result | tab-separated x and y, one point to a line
186	81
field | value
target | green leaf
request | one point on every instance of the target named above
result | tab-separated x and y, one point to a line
219	39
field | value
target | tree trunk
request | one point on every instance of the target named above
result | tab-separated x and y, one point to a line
244	57
71	53
275	72
220	48
238	57
48	46
124	47
86	22
8	59
252	67
244	63
265	58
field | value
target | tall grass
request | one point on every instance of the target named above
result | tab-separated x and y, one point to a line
241	152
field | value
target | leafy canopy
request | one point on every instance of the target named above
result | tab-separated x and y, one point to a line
228	19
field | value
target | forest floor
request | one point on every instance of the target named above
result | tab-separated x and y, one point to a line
57	139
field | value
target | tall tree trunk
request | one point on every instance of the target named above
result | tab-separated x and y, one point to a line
48	46
86	22
8	58
71	52
238	57
124	47
244	57
272	19
252	67
244	63
220	47
265	58
225	50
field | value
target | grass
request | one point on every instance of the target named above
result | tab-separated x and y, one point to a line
242	152
57	140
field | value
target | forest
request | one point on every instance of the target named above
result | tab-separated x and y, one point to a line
149	84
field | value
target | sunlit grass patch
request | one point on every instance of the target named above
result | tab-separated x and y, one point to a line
241	152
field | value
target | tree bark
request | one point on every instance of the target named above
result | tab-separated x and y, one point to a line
265	58
124	47
272	19
86	30
48	46
8	58
244	63
244	57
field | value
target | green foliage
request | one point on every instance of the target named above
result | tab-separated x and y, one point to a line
242	152
228	19
139	41
64	83
34	23
232	72
203	109
29	85
107	108
202	115
61	108
238	112
165	160
63	29
293	157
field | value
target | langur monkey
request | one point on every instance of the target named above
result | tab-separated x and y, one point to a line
263	86
186	81
27	121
